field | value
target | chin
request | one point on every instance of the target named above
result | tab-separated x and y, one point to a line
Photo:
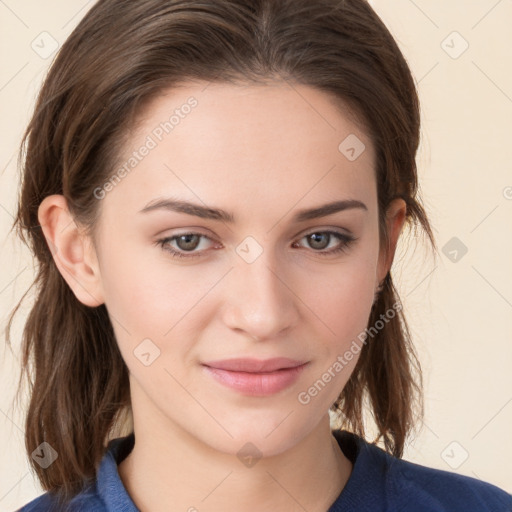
267	436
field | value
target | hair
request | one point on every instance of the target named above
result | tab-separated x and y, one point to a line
121	56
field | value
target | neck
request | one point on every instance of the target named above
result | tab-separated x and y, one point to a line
173	467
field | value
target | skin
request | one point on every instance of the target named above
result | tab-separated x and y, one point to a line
261	153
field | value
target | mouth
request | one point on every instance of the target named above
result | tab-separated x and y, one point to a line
255	377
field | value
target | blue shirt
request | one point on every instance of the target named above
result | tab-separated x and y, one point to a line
379	482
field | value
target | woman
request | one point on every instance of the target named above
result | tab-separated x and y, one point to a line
214	191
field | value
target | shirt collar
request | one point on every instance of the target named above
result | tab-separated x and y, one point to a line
109	484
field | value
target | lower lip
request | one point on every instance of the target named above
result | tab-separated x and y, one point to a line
256	384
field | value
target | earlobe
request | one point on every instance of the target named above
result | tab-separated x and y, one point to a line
395	219
73	252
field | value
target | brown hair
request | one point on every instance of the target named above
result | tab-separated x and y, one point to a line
119	57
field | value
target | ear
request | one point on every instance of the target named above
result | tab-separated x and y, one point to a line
73	252
395	219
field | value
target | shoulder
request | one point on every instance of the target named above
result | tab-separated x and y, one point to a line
442	490
87	500
105	493
405	486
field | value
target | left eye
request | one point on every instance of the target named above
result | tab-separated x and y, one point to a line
318	240
321	239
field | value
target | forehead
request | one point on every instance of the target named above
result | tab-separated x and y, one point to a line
245	108
242	143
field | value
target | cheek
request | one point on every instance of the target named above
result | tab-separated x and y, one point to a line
153	299
341	311
342	298
144	291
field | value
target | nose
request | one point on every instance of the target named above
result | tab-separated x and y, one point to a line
260	302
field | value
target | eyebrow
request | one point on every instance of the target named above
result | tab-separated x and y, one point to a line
206	212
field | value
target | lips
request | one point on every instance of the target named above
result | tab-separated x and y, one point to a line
255	377
255	365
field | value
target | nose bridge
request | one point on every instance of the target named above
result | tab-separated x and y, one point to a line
260	303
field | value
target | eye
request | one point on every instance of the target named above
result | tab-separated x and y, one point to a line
186	242
321	239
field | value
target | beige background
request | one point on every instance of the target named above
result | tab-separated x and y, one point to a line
460	312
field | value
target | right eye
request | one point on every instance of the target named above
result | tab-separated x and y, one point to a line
186	244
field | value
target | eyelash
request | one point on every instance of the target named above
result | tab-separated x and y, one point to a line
346	241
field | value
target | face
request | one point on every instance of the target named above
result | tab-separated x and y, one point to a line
240	263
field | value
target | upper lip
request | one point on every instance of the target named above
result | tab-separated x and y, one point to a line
255	365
